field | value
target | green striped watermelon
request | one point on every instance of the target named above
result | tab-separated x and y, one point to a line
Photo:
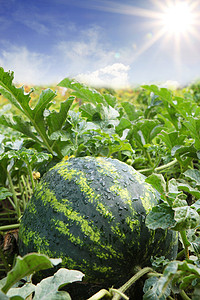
91	213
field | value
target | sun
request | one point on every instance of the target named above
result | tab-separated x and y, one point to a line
178	18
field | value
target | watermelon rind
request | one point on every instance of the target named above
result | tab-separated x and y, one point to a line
91	213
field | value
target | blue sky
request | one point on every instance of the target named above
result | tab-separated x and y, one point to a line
103	43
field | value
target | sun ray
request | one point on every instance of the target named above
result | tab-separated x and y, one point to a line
148	44
111	6
171	21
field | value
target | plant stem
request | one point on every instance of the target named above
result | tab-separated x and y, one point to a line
161	168
170	298
15	199
30	172
132	280
180	254
184	295
119	293
99	295
186	243
8	227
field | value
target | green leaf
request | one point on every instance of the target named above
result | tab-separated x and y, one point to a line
4	297
187	188
25	266
23	291
131	111
123	125
110	99
48	287
188	267
193	125
60	295
43	103
194	175
171	139
154	290
57	119
161	92
196	293
17	123
4	193
161	216
21	100
158	182
82	91
186	218
186	281
88	110
15	95
196	206
144	131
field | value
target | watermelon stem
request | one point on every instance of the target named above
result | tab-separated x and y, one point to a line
132	280
186	243
161	168
184	296
119	293
99	295
15	199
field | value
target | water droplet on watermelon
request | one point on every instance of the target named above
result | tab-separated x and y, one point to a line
132	179
134	199
85	201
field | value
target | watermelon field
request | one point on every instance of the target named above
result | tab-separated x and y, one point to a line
99	192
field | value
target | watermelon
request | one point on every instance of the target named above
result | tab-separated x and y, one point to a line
91	213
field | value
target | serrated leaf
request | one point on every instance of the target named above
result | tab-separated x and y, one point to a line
25	266
18	123
161	216
82	91
57	119
15	95
48	287
43	103
158	182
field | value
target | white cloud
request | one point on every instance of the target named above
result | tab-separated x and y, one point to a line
29	67
115	76
85	57
85	53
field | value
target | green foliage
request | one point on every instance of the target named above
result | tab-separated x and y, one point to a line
48	288
153	129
